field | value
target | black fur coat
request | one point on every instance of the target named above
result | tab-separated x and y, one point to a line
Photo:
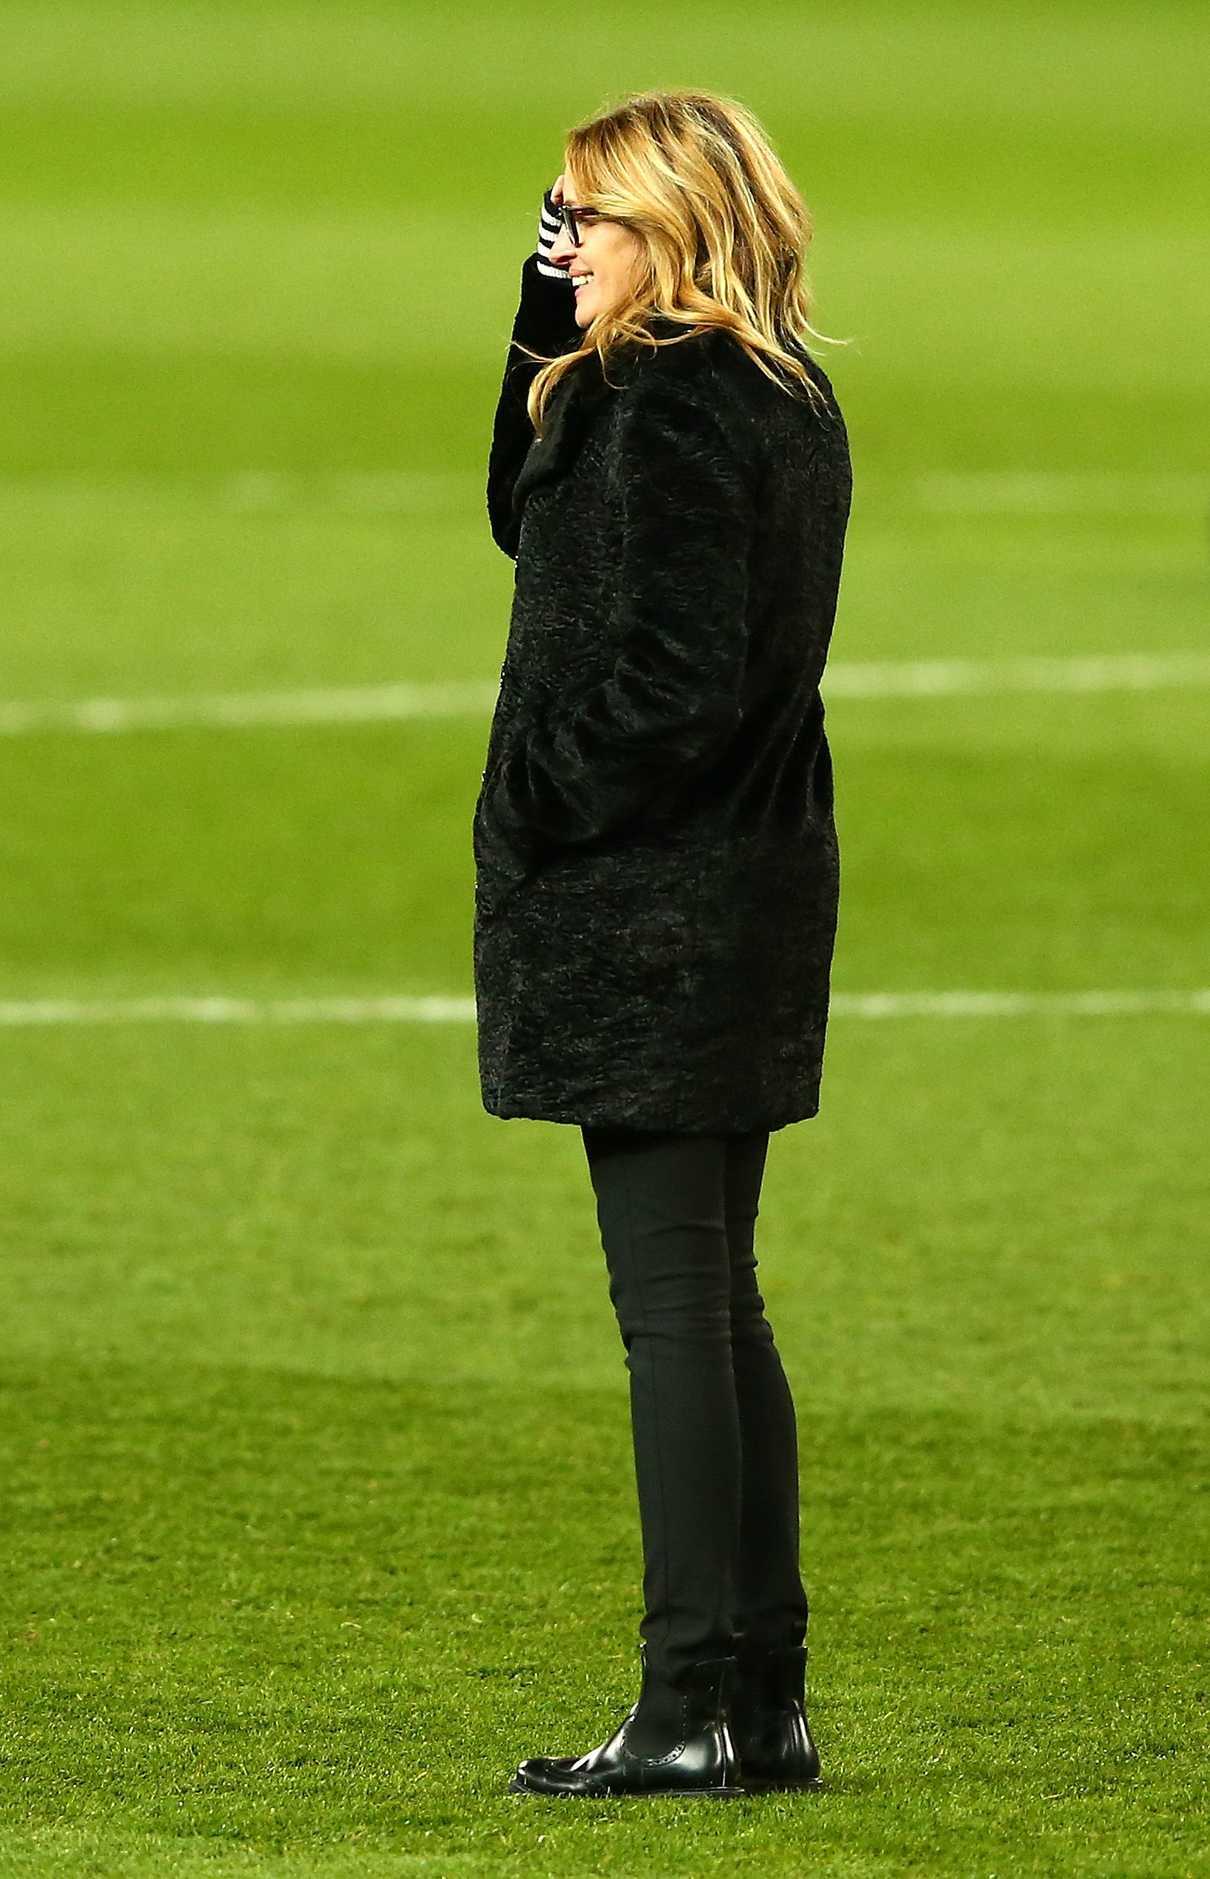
657	871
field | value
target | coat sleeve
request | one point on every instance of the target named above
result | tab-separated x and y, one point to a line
545	321
591	763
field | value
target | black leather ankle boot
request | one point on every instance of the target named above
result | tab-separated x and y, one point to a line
769	1719
674	1740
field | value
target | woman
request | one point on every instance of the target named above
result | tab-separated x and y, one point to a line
657	873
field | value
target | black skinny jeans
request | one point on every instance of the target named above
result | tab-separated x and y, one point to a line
715	1437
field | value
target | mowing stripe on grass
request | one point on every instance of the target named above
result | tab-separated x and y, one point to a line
1062	492
443	1010
919	678
448	492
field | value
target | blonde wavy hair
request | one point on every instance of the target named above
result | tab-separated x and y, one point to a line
723	233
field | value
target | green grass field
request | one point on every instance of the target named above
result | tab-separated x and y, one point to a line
319	1506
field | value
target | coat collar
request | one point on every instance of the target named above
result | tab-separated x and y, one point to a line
568	411
571	407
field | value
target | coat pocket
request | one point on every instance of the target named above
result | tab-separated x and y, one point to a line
500	868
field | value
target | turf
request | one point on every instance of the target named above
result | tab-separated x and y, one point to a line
319	1507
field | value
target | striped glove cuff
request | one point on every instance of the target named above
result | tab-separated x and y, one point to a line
549	224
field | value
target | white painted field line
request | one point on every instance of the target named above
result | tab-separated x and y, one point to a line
908	678
1017	1004
322	705
222	1010
1088	672
441	1010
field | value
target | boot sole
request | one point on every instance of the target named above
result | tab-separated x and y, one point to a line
758	1784
517	1786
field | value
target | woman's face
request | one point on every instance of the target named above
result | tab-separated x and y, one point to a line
608	254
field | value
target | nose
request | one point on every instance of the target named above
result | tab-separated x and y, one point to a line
562	249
